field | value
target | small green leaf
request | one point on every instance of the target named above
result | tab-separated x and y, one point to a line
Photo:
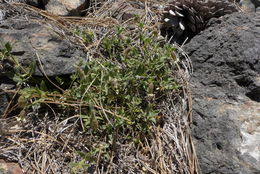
8	47
59	80
43	86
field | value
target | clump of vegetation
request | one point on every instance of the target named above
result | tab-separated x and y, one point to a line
86	35
117	92
121	90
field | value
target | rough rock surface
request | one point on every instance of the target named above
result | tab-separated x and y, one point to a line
9	168
57	55
58	7
66	7
226	91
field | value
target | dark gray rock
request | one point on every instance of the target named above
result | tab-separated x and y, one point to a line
33	41
36	3
226	85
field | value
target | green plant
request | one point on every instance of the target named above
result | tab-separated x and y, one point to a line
122	90
86	35
89	159
117	93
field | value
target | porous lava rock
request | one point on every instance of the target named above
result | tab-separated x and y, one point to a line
226	94
34	41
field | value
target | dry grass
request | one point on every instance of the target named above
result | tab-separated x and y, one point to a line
46	141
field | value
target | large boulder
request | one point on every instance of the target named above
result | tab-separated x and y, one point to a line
226	92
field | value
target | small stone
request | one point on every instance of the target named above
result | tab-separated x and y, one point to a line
10	167
67	7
